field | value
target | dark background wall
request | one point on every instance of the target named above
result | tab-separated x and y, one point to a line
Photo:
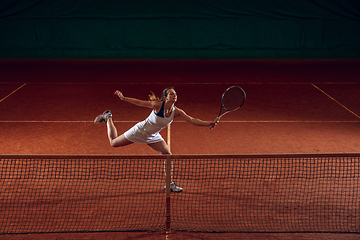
179	29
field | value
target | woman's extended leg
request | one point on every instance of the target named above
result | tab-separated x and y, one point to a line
162	148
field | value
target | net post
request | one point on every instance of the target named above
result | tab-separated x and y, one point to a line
167	192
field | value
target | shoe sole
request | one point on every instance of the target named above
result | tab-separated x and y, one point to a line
176	191
171	190
98	119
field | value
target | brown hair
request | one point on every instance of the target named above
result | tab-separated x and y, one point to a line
153	97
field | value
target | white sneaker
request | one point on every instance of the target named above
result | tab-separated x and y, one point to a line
174	187
103	117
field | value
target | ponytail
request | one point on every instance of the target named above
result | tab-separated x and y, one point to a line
153	97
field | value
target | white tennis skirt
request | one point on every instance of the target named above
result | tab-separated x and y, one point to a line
137	134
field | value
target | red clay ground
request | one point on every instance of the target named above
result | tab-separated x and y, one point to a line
293	106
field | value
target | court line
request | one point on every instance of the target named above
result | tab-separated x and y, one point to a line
12	92
335	100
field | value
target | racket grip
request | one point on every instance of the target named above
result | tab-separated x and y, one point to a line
216	120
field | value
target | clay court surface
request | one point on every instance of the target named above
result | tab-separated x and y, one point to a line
47	107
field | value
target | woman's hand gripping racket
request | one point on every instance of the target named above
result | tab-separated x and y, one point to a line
232	99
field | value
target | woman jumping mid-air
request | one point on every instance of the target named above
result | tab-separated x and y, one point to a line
148	131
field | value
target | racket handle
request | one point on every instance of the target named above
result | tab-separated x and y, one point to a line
216	120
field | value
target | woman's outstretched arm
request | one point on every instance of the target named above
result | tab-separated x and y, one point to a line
137	102
194	121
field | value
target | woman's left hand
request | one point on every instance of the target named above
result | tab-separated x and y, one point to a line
119	94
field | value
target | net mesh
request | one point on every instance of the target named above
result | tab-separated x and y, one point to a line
287	193
73	194
268	194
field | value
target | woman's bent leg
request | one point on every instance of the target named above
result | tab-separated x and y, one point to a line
114	139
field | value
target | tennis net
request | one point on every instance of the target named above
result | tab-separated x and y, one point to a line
222	193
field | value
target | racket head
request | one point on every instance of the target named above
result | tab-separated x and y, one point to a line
233	98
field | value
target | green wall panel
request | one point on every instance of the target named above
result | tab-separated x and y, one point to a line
180	29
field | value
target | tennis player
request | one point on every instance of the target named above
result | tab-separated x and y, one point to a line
148	131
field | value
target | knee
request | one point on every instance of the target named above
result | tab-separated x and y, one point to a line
114	144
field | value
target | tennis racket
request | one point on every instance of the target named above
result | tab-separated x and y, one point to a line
232	99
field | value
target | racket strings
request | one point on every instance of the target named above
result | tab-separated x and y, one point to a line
233	98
